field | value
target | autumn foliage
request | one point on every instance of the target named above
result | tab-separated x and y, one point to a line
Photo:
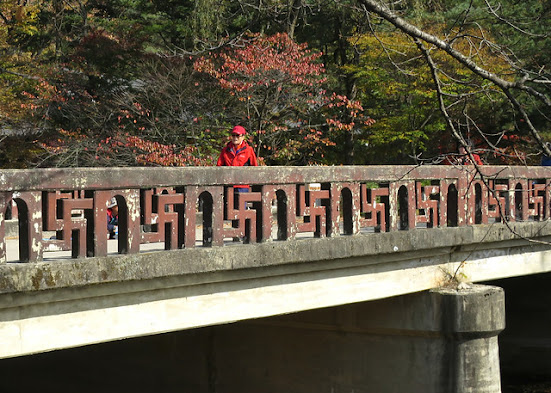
150	82
279	87
270	84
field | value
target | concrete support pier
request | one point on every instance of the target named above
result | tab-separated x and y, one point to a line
439	341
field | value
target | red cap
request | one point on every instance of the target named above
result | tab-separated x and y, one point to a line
238	130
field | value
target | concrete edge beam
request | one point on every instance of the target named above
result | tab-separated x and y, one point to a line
372	248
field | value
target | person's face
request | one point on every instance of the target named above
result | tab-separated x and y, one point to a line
462	150
237	139
115	210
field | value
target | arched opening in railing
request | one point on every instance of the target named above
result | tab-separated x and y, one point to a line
9	230
23	229
519	206
206	202
122	237
403	213
452	206
478	203
282	209
385	224
254	224
323	221
88	215
346	204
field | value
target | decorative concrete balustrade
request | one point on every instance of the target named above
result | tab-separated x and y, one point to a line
187	207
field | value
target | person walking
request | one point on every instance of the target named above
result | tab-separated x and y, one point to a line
465	159
237	152
113	218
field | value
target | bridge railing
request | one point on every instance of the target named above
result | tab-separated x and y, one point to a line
190	207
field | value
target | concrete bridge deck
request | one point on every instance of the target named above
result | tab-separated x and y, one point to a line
60	304
338	236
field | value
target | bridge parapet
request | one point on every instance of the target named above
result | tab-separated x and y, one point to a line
168	205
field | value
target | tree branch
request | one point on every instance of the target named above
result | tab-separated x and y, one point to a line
413	31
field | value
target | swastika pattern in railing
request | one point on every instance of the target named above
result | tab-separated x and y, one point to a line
187	207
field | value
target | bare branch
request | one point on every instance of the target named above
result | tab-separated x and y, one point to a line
33	77
459	137
415	32
493	11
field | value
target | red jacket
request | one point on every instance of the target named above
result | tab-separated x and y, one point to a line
243	156
462	160
477	160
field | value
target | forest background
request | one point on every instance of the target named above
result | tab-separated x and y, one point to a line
315	82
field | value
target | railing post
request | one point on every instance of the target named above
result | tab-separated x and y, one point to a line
393	206
463	189
268	193
443	206
30	225
335	192
217	193
132	242
191	195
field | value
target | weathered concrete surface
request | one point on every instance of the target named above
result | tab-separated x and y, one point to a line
64	304
114	178
374	248
347	200
424	342
440	341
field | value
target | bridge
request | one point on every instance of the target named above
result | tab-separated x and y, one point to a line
337	253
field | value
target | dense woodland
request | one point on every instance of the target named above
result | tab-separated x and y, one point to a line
315	82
